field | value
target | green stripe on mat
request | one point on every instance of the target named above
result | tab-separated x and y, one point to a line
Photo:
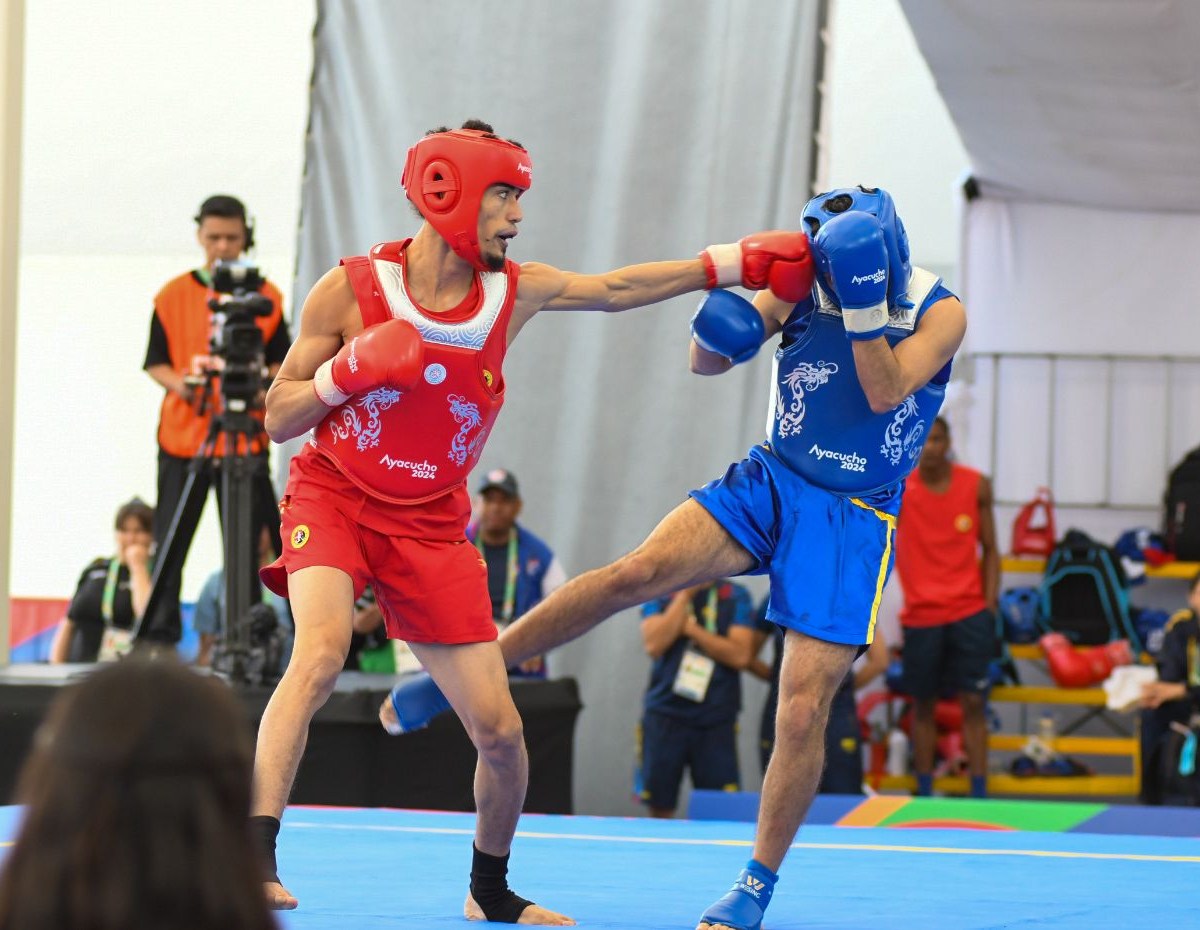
1039	816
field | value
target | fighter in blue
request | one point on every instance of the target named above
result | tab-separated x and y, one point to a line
859	375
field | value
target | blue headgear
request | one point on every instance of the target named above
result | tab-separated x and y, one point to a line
879	203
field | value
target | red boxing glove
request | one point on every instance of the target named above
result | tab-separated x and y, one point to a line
1079	668
778	259
387	354
1103	659
1068	668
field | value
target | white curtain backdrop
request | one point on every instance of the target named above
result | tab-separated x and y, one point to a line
1103	290
655	129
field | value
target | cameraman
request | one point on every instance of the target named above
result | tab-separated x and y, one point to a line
180	345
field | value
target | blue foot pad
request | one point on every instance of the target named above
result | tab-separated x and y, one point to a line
743	906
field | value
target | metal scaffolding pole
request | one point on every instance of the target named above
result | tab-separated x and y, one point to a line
12	85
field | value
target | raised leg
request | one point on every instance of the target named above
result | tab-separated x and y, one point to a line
688	547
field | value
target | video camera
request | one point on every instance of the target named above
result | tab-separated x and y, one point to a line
236	338
260	658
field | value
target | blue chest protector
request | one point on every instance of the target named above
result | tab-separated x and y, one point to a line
820	423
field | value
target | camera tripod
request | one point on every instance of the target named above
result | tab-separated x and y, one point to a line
240	474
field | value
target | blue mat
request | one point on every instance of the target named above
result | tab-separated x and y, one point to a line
366	869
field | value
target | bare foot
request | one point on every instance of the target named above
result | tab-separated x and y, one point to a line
387	716
279	898
531	915
704	925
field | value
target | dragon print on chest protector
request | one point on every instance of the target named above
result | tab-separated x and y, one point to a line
820	422
415	445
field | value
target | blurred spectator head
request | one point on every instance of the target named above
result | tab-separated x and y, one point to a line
936	450
134	527
134	514
500	504
501	480
138	801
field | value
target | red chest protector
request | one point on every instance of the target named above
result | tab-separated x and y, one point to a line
413	447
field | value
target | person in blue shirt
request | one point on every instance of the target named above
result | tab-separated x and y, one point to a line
700	640
210	606
522	570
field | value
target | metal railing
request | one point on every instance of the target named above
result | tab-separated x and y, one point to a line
994	363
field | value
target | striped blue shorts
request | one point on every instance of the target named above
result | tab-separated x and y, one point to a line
828	556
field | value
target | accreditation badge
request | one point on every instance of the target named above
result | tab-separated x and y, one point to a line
115	643
694	675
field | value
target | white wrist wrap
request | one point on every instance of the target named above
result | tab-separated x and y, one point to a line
727	263
865	320
325	387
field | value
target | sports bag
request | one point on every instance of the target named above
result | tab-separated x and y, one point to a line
1181	508
1033	527
1085	595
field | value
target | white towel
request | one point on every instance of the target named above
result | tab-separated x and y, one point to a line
1123	688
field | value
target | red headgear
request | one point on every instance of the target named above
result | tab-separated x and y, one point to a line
446	175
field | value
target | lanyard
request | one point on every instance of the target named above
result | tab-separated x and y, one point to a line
110	591
510	575
708	614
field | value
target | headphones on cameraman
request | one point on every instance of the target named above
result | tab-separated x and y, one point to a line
228	206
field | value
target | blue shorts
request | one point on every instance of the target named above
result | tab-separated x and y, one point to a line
828	556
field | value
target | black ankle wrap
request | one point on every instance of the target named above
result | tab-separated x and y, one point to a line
489	888
264	831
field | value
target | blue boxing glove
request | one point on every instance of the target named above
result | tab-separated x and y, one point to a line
728	325
416	701
853	259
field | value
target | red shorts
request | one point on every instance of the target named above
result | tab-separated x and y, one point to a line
428	590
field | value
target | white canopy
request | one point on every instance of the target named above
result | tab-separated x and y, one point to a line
1081	119
1093	102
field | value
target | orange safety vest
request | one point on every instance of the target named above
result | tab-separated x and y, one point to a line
182	309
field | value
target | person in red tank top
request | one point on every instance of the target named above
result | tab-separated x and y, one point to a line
397	372
949	568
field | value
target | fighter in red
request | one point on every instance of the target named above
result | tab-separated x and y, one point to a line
398	373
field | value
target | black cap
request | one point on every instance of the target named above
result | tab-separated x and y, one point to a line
501	480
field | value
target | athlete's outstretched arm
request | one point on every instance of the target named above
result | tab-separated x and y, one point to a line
779	260
888	375
544	287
